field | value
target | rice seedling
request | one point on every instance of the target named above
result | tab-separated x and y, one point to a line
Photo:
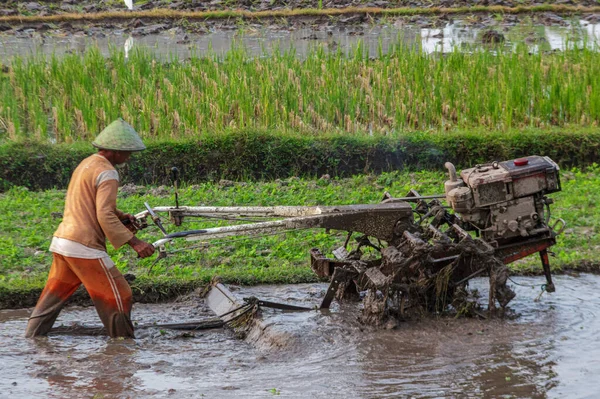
73	97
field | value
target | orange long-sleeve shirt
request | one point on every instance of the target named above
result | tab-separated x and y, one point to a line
91	215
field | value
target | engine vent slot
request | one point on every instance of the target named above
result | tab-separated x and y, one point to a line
488	194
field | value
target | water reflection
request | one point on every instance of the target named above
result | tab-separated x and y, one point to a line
128	46
470	358
374	39
593	30
114	367
70	366
450	37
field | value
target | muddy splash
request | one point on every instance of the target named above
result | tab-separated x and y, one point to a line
549	349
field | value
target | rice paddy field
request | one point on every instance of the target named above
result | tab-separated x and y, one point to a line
488	86
297	102
71	98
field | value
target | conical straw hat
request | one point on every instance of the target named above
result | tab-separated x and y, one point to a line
119	136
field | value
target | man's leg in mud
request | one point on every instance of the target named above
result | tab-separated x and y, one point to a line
110	292
61	284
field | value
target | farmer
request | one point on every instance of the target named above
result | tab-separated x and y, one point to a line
79	244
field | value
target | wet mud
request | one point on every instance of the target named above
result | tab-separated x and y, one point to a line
548	348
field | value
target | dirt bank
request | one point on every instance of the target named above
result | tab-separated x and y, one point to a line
98	18
357	24
13	7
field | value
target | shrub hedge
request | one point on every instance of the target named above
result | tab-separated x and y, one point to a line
253	155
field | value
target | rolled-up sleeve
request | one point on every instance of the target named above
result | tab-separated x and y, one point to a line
106	212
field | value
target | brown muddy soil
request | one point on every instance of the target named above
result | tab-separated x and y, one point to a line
139	27
13	7
350	25
548	349
357	24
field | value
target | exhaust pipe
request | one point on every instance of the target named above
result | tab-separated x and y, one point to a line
451	171
454	181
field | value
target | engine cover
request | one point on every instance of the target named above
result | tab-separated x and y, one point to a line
504	199
504	181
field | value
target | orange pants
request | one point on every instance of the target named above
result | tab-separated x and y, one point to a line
107	287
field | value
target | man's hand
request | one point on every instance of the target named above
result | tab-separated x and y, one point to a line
129	216
130	222
143	249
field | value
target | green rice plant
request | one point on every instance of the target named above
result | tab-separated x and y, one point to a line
72	98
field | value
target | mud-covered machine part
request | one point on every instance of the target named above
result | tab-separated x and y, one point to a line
496	213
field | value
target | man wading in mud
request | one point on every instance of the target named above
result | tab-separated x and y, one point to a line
79	244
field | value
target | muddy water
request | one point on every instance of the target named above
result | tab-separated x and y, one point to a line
378	38
551	348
